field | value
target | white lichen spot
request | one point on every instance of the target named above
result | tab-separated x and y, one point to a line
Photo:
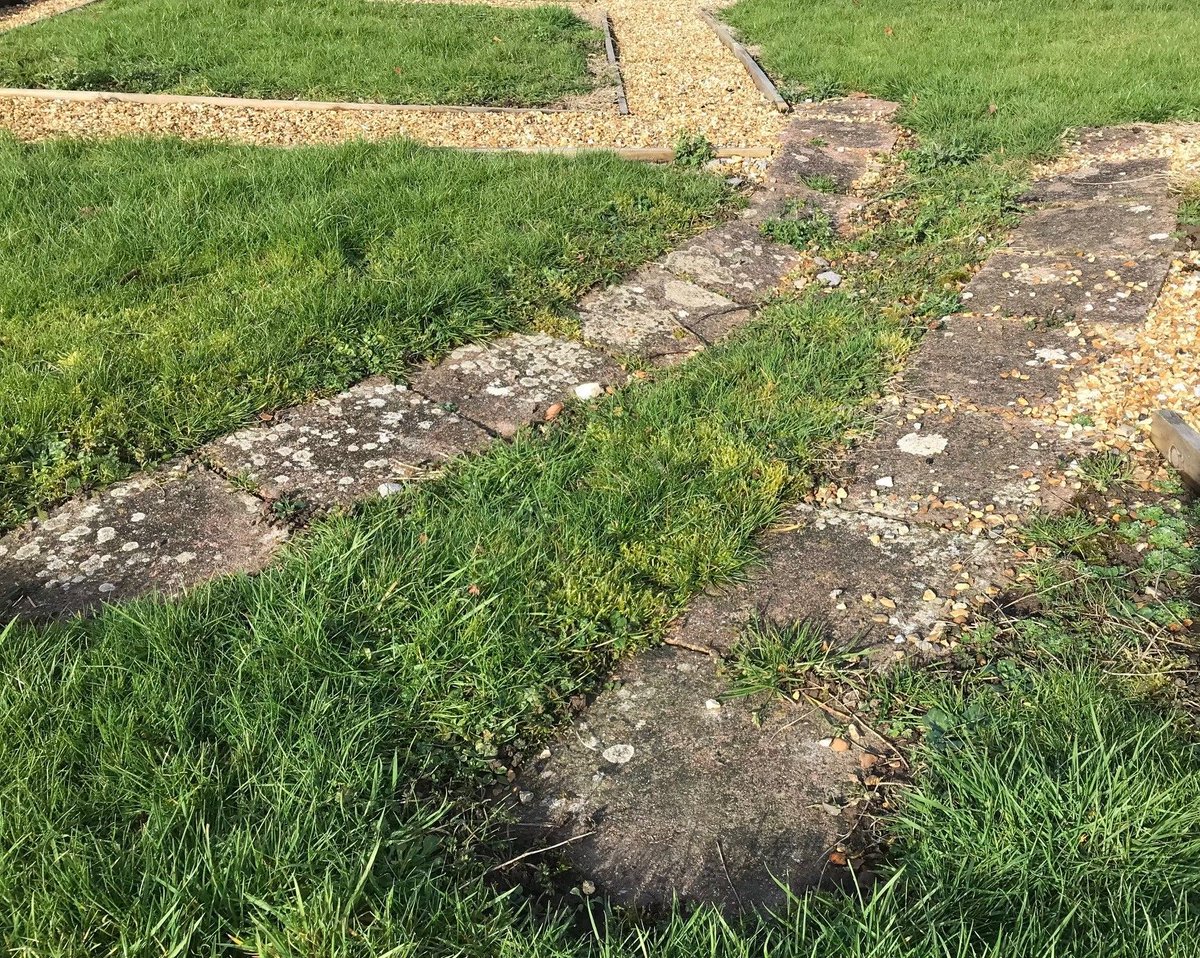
138	517
618	754
106	534
183	558
922	444
27	551
130	546
107	587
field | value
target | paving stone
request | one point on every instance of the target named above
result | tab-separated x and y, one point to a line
874	582
657	315
851	108
770	202
1126	228
798	163
1146	179
511	382
159	532
669	794
1020	365
1100	289
953	466
335	451
1106	141
735	260
871	136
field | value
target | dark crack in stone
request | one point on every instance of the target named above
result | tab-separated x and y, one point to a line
872	582
735	260
658	316
159	532
511	382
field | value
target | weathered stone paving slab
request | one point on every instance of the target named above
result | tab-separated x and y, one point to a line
1109	289
872	136
335	451
953	466
668	792
511	382
159	532
1133	180
1015	365
657	316
874	582
735	260
1130	228
852	108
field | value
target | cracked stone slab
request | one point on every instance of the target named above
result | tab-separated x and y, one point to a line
770	203
797	162
1145	179
735	260
1019	365
511	382
1130	228
160	532
952	465
1103	142
874	582
334	451
1093	288
658	316
669	792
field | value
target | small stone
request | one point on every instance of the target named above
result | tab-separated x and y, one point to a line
390	488
884	482
553	412
589	391
829	278
712	704
839	745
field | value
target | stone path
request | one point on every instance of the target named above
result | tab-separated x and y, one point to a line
660	789
217	512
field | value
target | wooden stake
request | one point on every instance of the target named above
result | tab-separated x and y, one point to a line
1179	443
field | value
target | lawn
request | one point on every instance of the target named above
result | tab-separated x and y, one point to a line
977	76
157	294
362	50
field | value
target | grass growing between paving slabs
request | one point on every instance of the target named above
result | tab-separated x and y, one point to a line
291	763
359	50
157	294
978	76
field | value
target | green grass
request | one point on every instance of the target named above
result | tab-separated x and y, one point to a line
291	761
156	294
363	50
988	75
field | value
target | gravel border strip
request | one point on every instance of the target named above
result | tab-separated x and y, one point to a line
27	13
757	73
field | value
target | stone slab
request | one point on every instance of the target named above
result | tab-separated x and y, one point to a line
836	135
797	163
950	465
872	582
771	202
735	260
1134	180
1017	365
1088	289
335	451
668	793
1126	228
851	108
511	382
159	532
657	316
1103	142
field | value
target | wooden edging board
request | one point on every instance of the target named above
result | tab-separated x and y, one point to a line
761	80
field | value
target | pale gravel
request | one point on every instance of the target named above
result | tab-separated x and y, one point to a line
1177	142
13	17
678	77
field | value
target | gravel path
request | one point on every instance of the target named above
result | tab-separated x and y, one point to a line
677	77
14	17
1158	366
